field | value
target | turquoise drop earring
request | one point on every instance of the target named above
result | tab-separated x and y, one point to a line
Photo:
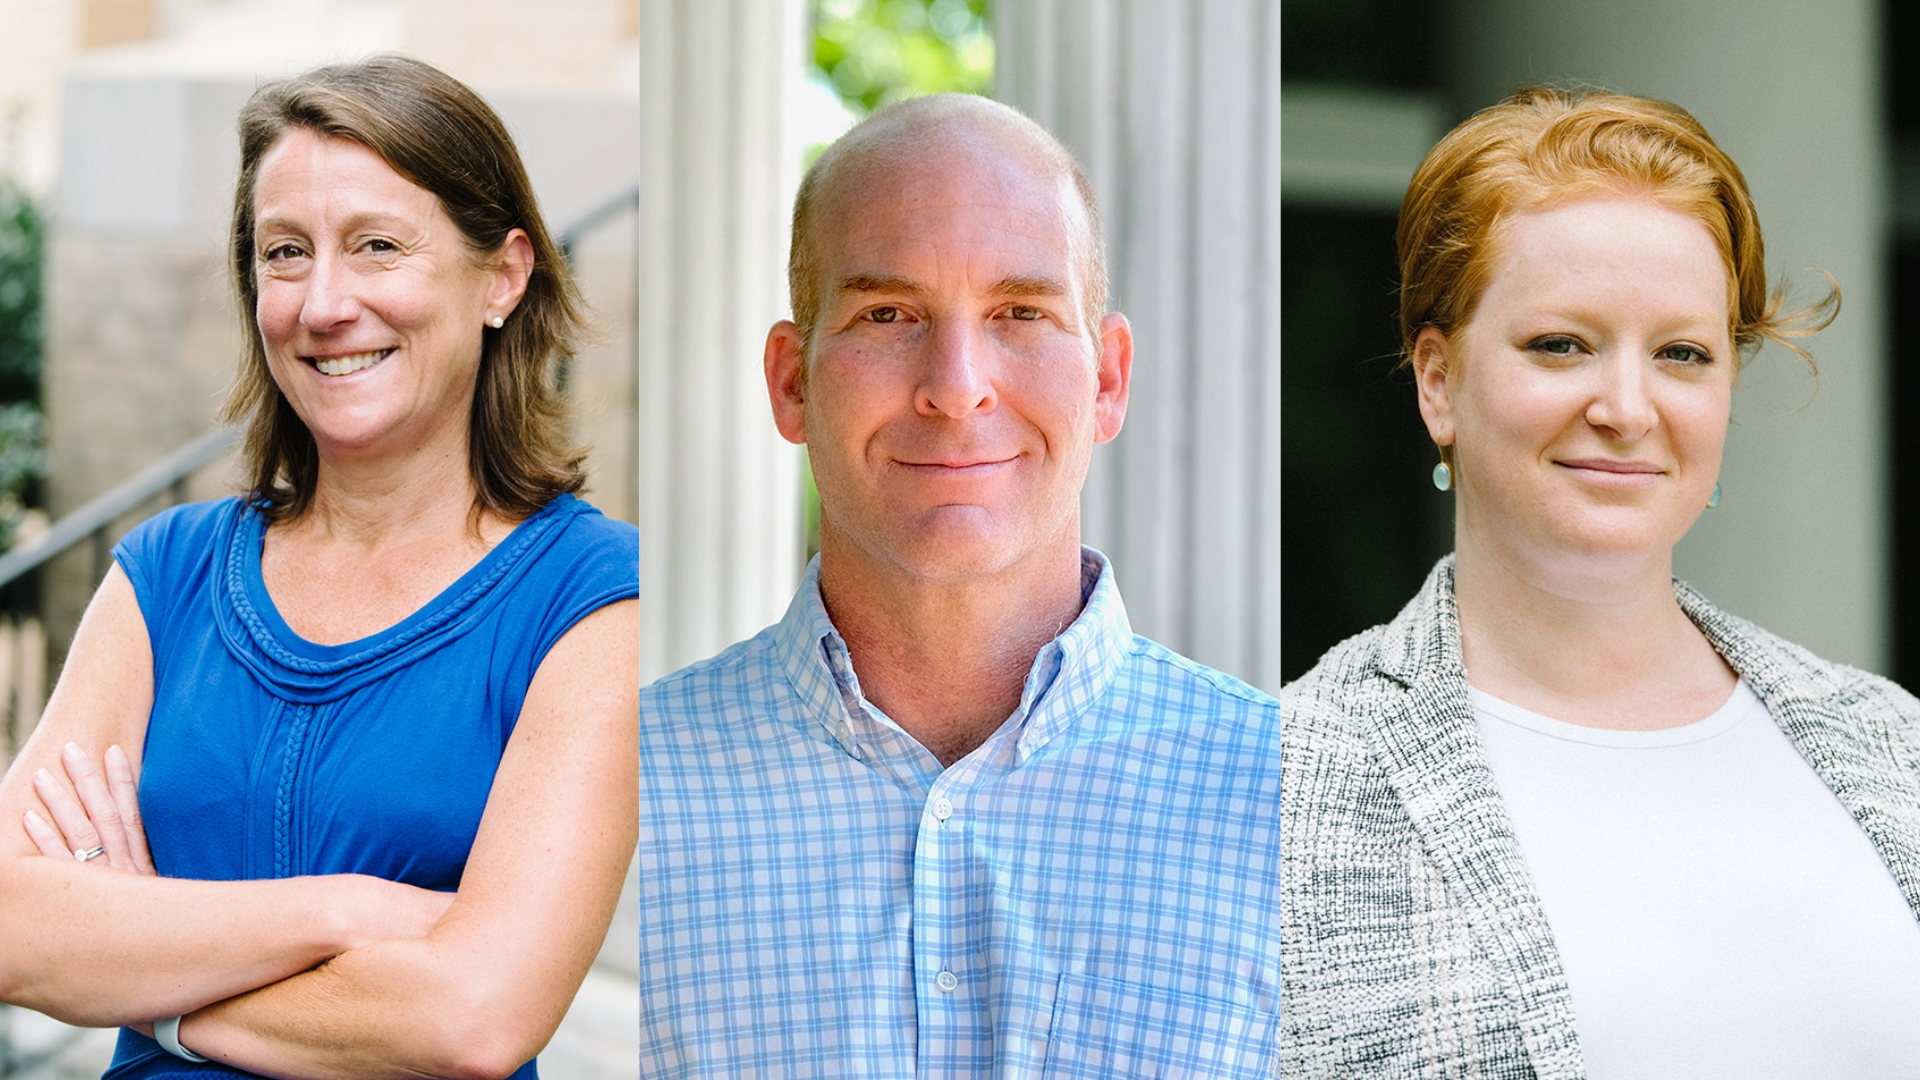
1713	500
1443	477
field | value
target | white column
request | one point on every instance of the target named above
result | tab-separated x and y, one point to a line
719	490
1790	90
1173	107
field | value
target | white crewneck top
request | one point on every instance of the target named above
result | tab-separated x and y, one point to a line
1719	913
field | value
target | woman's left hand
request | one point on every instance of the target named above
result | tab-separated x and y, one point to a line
106	813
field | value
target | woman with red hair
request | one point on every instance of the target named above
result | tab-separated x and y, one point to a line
1562	816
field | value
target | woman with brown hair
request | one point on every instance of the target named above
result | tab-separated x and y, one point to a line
1563	817
371	723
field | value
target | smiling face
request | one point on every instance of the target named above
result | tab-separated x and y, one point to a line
1587	399
952	396
371	306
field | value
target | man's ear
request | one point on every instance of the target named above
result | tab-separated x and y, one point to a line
784	362
1432	365
1115	376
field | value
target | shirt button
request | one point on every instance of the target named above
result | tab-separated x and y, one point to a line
942	809
947	981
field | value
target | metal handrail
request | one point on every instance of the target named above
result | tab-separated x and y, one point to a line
171	472
595	218
96	515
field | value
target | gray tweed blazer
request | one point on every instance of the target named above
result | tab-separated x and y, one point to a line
1413	943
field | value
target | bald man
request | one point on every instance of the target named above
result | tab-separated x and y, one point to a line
950	817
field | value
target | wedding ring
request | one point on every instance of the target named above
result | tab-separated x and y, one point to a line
90	853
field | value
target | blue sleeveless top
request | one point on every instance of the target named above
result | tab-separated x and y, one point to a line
269	756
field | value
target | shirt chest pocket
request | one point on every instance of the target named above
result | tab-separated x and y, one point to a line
1103	1028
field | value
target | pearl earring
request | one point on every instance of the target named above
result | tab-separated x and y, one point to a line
498	322
1443	477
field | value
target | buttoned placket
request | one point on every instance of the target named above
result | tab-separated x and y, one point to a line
949	916
877	742
951	913
952	907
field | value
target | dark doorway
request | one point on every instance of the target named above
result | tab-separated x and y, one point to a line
1901	31
1363	522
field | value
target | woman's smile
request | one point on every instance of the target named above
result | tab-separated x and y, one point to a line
1607	472
354	264
349	363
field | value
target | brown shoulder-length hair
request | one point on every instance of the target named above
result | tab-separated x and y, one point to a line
430	128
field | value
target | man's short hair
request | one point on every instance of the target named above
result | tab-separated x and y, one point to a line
925	122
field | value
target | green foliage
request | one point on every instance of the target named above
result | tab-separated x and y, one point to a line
811	513
23	460
879	51
23	441
22	247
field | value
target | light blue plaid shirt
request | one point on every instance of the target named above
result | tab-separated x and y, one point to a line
1093	892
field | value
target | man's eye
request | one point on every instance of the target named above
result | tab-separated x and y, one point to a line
1024	313
884	315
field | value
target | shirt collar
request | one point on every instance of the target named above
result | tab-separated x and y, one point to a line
810	650
1069	674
